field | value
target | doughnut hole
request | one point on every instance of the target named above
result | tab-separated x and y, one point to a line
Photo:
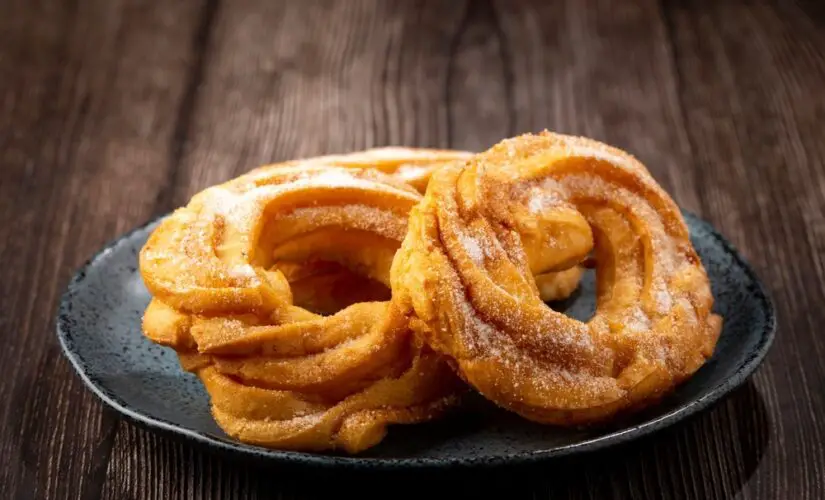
325	287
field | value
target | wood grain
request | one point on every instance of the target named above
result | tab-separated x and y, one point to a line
762	132
112	112
89	91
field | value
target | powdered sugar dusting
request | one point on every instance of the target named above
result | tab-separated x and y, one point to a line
242	271
223	201
473	248
336	177
536	203
511	149
237	209
541	200
637	321
664	302
483	336
343	177
411	172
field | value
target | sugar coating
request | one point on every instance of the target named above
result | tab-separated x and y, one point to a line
473	248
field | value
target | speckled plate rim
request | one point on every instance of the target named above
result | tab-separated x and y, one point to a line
745	369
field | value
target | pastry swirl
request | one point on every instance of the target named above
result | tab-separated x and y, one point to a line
278	374
542	203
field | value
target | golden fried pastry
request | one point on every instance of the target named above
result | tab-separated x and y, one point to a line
225	272
542	203
409	165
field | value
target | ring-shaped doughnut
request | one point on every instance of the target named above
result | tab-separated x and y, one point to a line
277	374
539	203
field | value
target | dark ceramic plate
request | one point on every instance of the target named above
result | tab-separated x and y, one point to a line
99	330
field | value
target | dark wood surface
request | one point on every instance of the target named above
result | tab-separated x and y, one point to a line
114	111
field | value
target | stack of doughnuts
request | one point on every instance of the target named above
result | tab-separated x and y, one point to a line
320	300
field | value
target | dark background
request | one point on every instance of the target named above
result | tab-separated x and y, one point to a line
115	111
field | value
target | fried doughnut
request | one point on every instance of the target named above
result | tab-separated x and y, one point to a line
279	375
539	203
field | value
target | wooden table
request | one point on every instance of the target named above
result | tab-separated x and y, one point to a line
115	111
